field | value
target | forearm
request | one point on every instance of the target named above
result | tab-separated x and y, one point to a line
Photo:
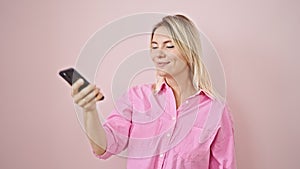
95	131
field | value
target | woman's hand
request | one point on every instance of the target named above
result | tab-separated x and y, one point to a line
87	97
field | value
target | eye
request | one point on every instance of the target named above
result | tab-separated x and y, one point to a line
170	46
154	46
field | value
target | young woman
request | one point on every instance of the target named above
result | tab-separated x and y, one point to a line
177	122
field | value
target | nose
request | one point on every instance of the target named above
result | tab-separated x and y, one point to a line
160	53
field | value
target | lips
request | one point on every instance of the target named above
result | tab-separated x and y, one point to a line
162	64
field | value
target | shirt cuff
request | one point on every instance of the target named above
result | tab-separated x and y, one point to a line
104	156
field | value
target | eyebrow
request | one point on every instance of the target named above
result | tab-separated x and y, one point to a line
167	41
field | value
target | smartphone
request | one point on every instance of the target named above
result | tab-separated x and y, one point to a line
71	76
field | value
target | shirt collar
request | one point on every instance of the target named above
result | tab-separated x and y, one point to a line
161	83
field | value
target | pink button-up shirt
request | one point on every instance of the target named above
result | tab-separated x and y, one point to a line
146	127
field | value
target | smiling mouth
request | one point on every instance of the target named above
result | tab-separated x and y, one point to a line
162	64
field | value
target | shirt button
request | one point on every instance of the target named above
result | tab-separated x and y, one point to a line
168	135
186	102
173	118
161	155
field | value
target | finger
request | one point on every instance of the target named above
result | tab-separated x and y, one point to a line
85	91
99	97
90	96
76	85
91	103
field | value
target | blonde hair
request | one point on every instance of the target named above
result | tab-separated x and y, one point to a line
187	38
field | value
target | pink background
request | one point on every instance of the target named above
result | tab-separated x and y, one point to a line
258	43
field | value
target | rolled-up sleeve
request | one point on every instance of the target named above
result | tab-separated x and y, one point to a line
222	149
117	127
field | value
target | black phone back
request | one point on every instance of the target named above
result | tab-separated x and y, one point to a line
71	76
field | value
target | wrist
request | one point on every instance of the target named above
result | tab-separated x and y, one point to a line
90	111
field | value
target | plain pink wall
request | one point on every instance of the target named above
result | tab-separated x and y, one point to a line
258	43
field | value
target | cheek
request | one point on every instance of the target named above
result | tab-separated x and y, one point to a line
173	56
152	54
179	61
182	60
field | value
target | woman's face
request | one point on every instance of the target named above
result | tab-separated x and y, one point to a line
165	55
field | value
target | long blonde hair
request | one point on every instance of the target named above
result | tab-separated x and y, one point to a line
187	38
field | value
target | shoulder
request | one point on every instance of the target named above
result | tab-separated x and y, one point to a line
226	120
135	93
140	91
219	115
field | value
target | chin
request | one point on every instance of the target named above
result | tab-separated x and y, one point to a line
161	73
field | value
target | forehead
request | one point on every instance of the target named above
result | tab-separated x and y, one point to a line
161	33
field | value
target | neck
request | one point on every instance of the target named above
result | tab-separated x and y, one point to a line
181	85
